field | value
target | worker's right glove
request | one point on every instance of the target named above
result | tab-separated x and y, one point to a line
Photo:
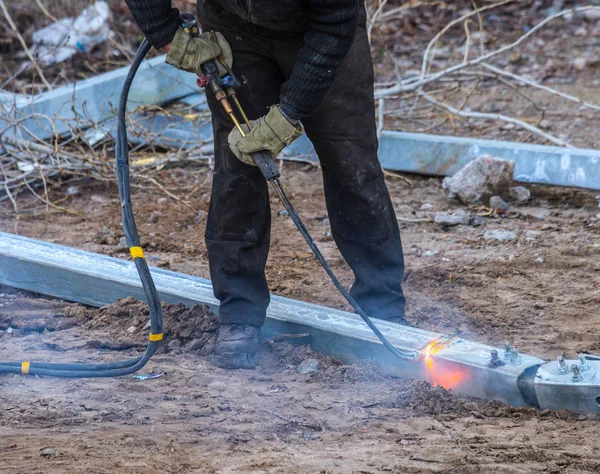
189	53
273	133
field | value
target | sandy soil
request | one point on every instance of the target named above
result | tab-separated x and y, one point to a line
197	418
537	291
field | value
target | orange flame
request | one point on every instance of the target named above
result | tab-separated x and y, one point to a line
445	378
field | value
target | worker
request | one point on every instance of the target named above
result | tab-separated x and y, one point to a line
306	68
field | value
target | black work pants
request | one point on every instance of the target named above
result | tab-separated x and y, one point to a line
343	131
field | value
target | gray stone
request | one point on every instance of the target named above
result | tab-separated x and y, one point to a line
532	234
174	344
430	253
535	212
481	179
456	218
49	452
520	194
308	366
122	244
580	63
501	235
195	344
476	221
154	217
499	204
591	15
73	191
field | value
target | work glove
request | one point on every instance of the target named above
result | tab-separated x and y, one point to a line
273	133
189	53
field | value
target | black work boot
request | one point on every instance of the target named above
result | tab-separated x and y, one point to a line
236	347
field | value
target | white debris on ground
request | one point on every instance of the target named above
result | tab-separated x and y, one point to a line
481	179
59	41
501	235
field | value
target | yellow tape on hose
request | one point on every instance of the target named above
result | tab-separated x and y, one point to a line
156	337
25	368
137	252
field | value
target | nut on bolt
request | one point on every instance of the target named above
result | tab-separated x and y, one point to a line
583	363
507	350
577	375
515	358
495	359
563	368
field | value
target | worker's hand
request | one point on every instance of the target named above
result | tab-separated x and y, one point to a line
189	53
273	133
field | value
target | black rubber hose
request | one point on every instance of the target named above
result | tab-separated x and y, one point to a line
402	354
113	369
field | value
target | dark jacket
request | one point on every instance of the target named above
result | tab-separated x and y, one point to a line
328	25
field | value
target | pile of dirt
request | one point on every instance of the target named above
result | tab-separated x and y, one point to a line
185	329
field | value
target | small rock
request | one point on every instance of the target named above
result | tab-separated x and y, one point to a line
154	217
131	329
174	344
426	206
501	235
162	200
48	452
520	194
430	253
540	213
97	198
308	366
283	213
476	221
580	63
195	344
217	386
200	216
9	330
122	244
499	204
73	191
456	218
531	235
592	15
539	260
480	179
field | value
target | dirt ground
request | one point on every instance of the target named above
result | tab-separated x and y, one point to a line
197	418
537	291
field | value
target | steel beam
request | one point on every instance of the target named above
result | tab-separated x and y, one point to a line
439	155
460	365
93	100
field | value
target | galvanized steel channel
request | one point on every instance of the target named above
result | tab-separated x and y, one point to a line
94	101
462	365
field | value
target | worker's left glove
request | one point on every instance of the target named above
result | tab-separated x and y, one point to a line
189	53
273	133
